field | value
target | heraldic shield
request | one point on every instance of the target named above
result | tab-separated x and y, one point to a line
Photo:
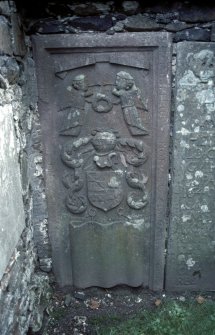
105	189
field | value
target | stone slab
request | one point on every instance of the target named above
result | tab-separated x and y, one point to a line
141	22
193	34
213	32
130	7
195	14
19	46
104	105
12	219
5	8
191	247
5	37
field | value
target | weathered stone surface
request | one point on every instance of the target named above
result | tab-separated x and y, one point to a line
198	14
93	23
71	25
5	37
9	69
40	213
193	34
166	18
164	8
4	8
50	26
130	7
12	218
213	33
40	296
79	295
119	17
15	301
19	291
23	295
24	172
119	26
104	8
190	261
100	185
19	47
91	8
177	26
141	23
110	31
68	300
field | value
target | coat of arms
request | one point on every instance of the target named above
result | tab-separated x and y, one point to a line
104	166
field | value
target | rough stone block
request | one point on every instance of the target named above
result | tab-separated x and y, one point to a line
71	25
24	161
191	248
130	7
177	26
5	37
119	27
19	47
41	299
213	33
166	18
93	23
5	8
141	23
193	34
9	69
48	26
197	14
12	218
90	9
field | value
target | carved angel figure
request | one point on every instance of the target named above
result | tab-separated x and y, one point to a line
74	120
130	97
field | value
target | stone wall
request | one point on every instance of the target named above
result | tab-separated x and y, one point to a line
22	286
188	22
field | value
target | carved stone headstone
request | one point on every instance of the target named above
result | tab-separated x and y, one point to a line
191	250
104	104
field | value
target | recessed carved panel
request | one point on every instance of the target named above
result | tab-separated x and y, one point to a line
105	117
104	166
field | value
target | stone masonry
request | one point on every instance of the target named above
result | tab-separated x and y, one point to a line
24	287
187	22
21	288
